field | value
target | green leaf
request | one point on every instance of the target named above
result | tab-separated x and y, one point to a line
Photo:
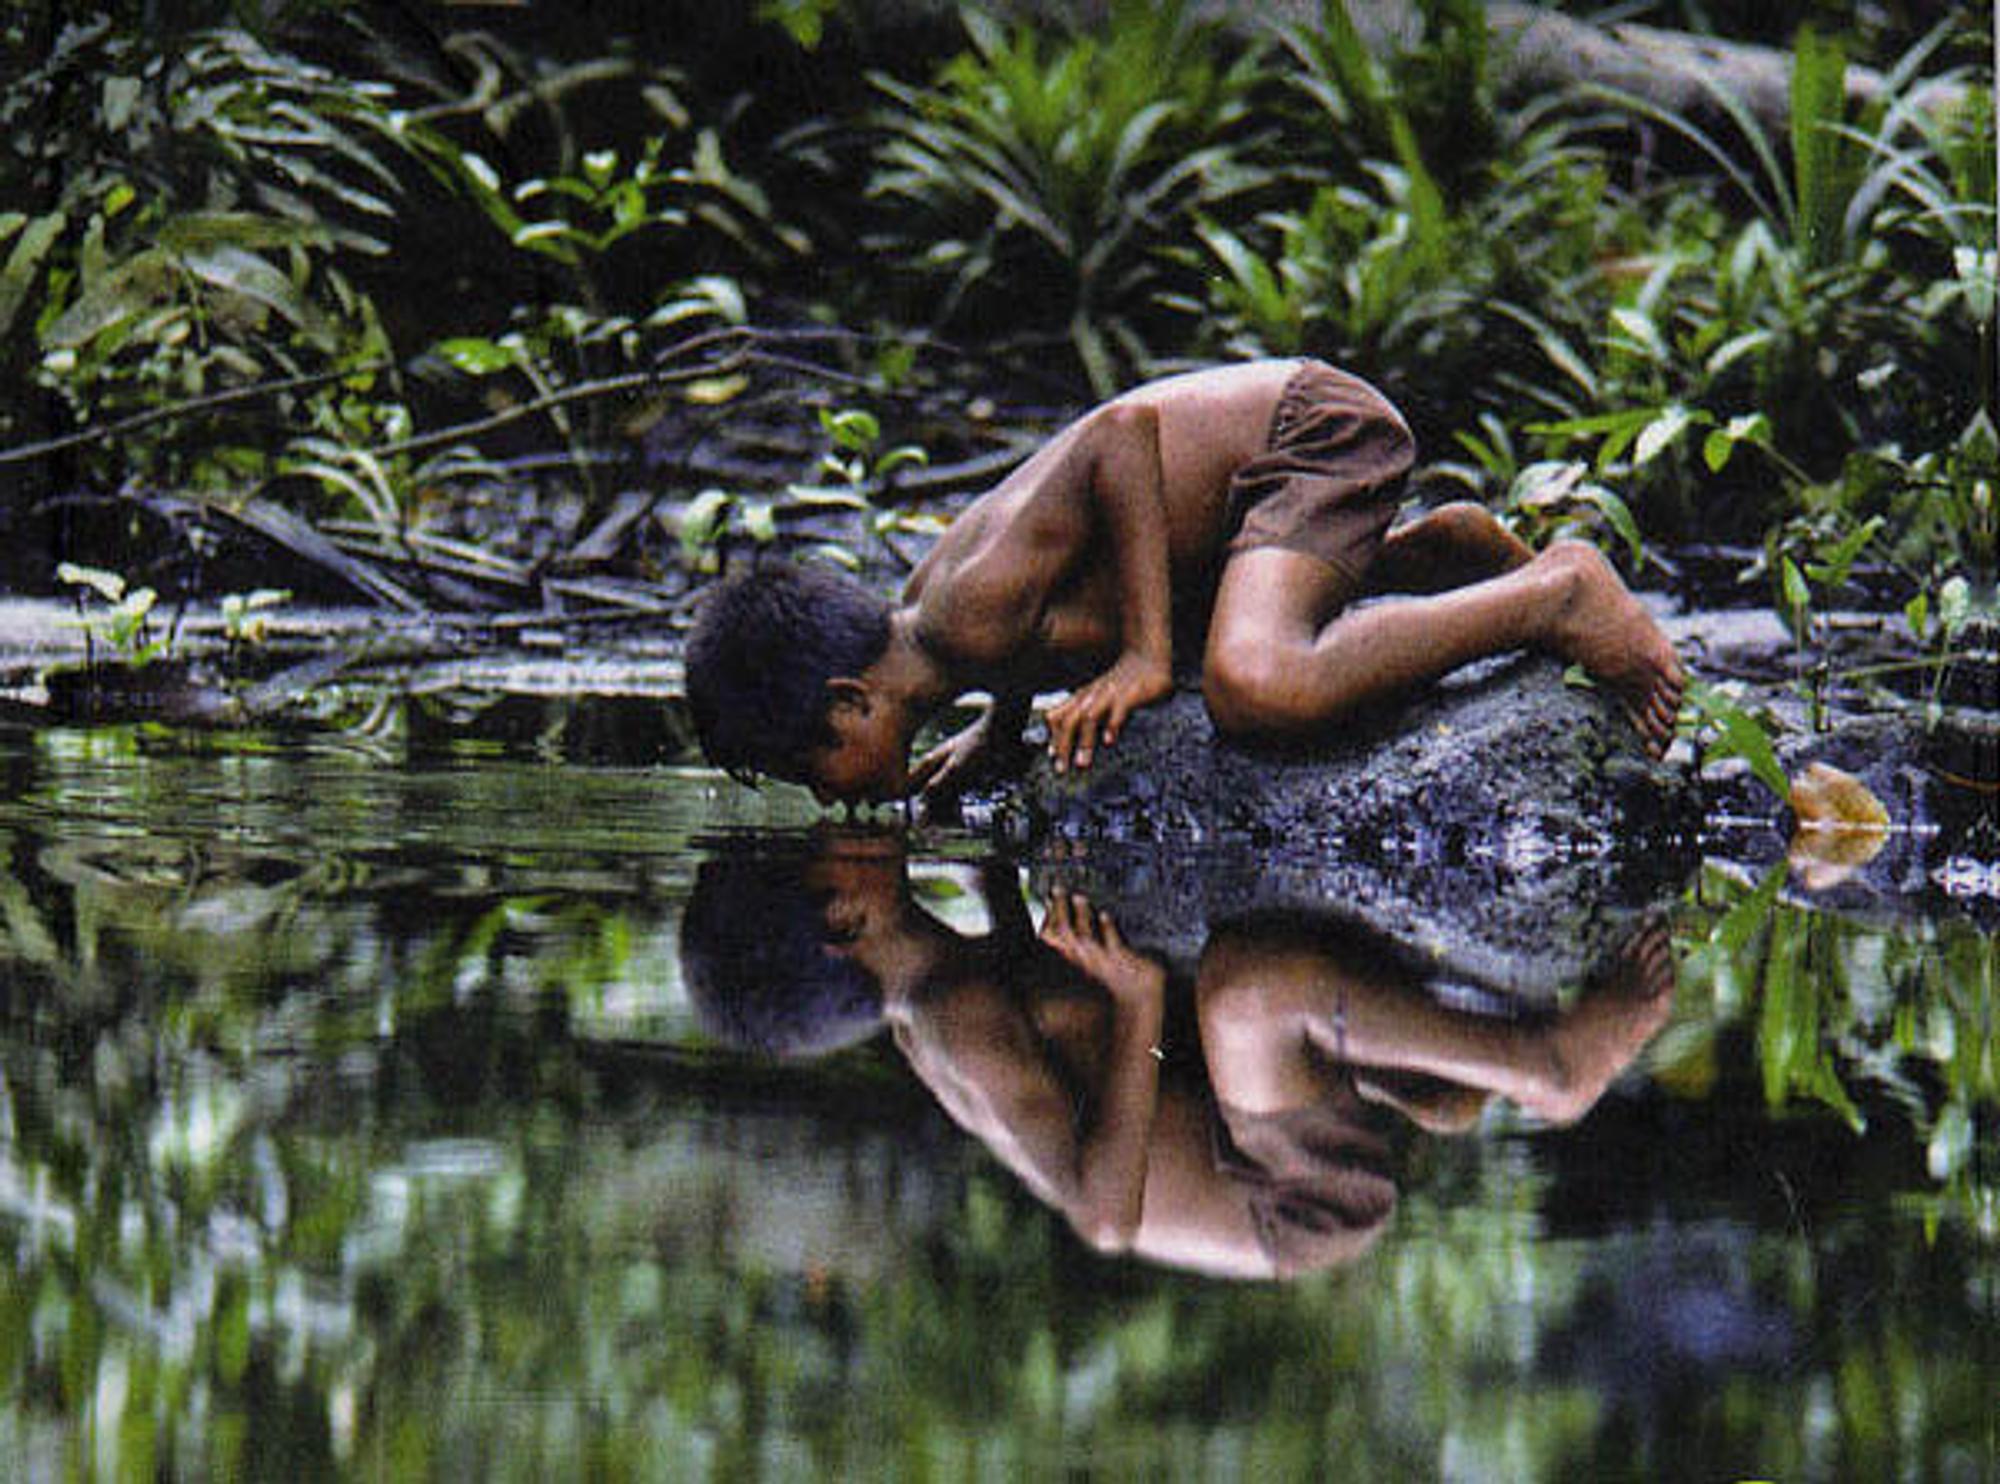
1742	735
1798	597
1659	434
1735	348
1619	516
476	356
198	231
702	520
107	585
248	276
851	428
1917	613
759	521
33	245
1837	560
1638	327
1820	156
1628	422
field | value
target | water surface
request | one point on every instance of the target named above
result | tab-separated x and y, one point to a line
356	1118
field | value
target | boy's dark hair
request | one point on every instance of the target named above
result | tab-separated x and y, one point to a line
763	648
755	962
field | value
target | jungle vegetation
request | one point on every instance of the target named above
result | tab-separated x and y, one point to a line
517	315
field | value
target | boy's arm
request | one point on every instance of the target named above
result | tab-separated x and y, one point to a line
974	754
1126	488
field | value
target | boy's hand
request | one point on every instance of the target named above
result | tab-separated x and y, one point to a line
1093	715
1091	942
967	757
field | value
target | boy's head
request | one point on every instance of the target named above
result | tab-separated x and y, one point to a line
762	956
765	650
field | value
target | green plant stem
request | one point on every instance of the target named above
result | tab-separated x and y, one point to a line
604	387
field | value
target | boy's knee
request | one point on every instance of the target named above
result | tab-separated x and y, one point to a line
1249	685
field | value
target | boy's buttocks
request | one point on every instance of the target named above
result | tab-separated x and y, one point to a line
1211	422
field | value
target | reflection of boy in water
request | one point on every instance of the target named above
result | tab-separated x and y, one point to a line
1060	1053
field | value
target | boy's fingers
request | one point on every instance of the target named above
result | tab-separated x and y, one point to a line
1059	729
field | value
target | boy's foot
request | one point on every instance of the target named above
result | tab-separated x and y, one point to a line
1606	630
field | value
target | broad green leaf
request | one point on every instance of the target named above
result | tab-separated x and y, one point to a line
32	246
1836	561
1735	348
1619	515
197	231
1819	154
476	356
1547	482
245	274
851	428
701	520
1659	434
1749	427
107	585
1628	421
1639	328
1742	735
140	283
1917	614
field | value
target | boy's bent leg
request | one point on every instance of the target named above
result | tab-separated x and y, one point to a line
1283	659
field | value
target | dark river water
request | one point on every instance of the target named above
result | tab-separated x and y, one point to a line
379	1107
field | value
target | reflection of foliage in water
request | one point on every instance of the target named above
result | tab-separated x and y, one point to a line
1855	1018
325	1143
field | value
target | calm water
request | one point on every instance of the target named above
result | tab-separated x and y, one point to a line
359	1116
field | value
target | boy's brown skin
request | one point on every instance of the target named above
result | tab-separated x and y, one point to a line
1069	569
1060	1074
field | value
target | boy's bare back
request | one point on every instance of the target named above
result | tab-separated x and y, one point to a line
1026	584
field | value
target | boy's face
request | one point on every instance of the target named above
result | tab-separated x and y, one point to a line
867	762
860	882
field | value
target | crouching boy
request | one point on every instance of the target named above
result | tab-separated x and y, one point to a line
1244	508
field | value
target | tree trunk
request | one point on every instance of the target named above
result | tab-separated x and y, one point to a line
1535	50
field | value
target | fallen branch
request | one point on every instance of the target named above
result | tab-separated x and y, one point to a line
27	452
608	386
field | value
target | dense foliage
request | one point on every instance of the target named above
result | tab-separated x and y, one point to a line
437	292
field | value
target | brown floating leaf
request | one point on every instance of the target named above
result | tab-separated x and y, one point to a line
1842	826
1825	798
